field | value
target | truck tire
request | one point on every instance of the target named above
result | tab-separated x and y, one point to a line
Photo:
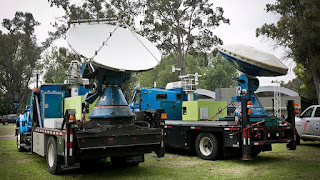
53	163
5	123
19	148
207	146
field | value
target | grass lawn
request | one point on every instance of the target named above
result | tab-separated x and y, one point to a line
304	163
7	130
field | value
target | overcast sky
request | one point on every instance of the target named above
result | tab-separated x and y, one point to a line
245	16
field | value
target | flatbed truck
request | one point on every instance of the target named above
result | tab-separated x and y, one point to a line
248	132
210	139
50	131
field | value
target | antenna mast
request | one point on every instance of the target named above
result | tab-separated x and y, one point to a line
277	99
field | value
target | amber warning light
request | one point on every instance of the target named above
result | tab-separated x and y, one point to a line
163	116
72	118
296	108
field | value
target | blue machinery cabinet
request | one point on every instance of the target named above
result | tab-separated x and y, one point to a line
52	104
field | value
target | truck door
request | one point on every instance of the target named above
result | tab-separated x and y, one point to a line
144	100
306	119
53	105
315	122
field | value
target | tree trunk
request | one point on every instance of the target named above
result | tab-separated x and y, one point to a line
21	98
180	57
316	80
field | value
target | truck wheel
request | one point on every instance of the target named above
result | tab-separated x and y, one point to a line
207	146
19	148
52	156
5	123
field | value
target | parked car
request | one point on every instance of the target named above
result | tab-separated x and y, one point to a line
308	123
10	118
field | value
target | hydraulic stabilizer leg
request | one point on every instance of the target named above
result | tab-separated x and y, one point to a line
291	119
246	144
161	151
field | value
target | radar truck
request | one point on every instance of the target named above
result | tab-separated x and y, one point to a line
204	127
69	124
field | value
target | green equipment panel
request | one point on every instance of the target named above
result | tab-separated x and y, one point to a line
203	110
78	103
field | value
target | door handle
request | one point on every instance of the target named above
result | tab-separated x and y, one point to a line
308	121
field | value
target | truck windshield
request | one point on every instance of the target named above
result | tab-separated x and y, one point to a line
136	97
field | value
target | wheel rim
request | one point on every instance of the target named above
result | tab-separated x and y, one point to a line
206	146
51	155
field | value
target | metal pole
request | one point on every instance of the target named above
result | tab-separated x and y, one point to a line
246	147
291	119
37	79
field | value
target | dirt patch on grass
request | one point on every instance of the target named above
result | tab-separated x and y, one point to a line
20	161
7	130
7	137
173	161
185	163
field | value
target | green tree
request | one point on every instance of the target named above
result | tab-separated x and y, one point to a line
162	74
91	9
18	57
182	27
217	72
298	29
306	88
293	84
55	63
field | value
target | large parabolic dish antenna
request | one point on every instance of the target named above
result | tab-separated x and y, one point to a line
252	61
112	46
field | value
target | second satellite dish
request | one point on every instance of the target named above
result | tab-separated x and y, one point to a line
252	61
121	49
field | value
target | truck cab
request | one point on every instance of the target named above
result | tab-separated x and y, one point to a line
156	98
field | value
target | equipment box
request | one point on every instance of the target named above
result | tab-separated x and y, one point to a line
203	110
54	123
77	103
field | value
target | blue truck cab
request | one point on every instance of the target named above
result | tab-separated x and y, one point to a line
157	98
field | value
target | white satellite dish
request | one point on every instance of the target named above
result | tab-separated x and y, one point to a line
121	49
252	61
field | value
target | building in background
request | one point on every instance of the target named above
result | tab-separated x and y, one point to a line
266	96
